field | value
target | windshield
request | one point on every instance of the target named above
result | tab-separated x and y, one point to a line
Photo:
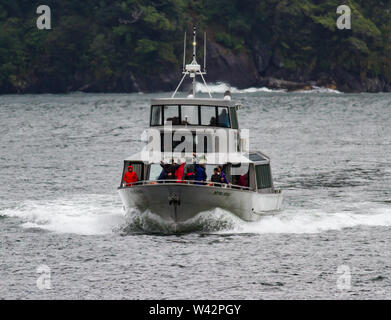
190	115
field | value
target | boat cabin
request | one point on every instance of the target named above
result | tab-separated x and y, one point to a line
210	124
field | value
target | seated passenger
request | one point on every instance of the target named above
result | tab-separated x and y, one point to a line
174	121
130	177
215	177
213	121
222	174
243	180
224	119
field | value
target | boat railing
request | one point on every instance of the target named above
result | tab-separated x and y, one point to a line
192	182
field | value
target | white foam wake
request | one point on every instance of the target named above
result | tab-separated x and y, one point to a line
314	221
316	89
85	215
288	221
221	87
101	214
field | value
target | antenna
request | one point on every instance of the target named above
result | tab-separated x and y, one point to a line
204	52
184	53
194	43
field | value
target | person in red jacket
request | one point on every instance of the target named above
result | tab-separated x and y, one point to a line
180	170
130	177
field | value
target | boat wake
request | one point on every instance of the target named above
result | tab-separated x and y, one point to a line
85	215
209	221
102	214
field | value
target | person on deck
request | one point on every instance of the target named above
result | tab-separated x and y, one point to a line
179	172
189	172
165	170
224	119
130	177
243	180
223	178
215	177
200	173
171	170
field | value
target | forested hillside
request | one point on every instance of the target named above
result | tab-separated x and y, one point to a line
136	45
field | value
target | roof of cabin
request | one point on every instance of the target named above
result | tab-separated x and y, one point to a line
193	101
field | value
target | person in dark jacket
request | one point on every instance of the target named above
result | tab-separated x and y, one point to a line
189	172
215	177
200	173
223	178
165	170
171	169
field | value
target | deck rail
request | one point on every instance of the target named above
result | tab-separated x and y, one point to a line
192	182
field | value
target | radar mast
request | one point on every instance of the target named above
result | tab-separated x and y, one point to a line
193	69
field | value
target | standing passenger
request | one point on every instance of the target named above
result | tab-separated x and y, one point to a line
180	170
130	177
200	173
165	170
171	170
189	172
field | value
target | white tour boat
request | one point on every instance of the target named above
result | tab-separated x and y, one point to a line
196	135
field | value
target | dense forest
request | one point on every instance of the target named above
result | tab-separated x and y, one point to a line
136	45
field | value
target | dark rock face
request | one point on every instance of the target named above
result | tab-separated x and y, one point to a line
349	82
262	55
238	69
274	83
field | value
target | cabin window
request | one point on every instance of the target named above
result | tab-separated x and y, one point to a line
234	118
240	174
171	114
208	116
256	157
223	117
156	116
189	115
264	179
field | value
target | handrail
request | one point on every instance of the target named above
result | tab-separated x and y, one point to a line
188	182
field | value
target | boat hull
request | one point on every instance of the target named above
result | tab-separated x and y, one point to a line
180	202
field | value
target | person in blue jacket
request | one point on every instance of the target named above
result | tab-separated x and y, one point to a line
200	173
